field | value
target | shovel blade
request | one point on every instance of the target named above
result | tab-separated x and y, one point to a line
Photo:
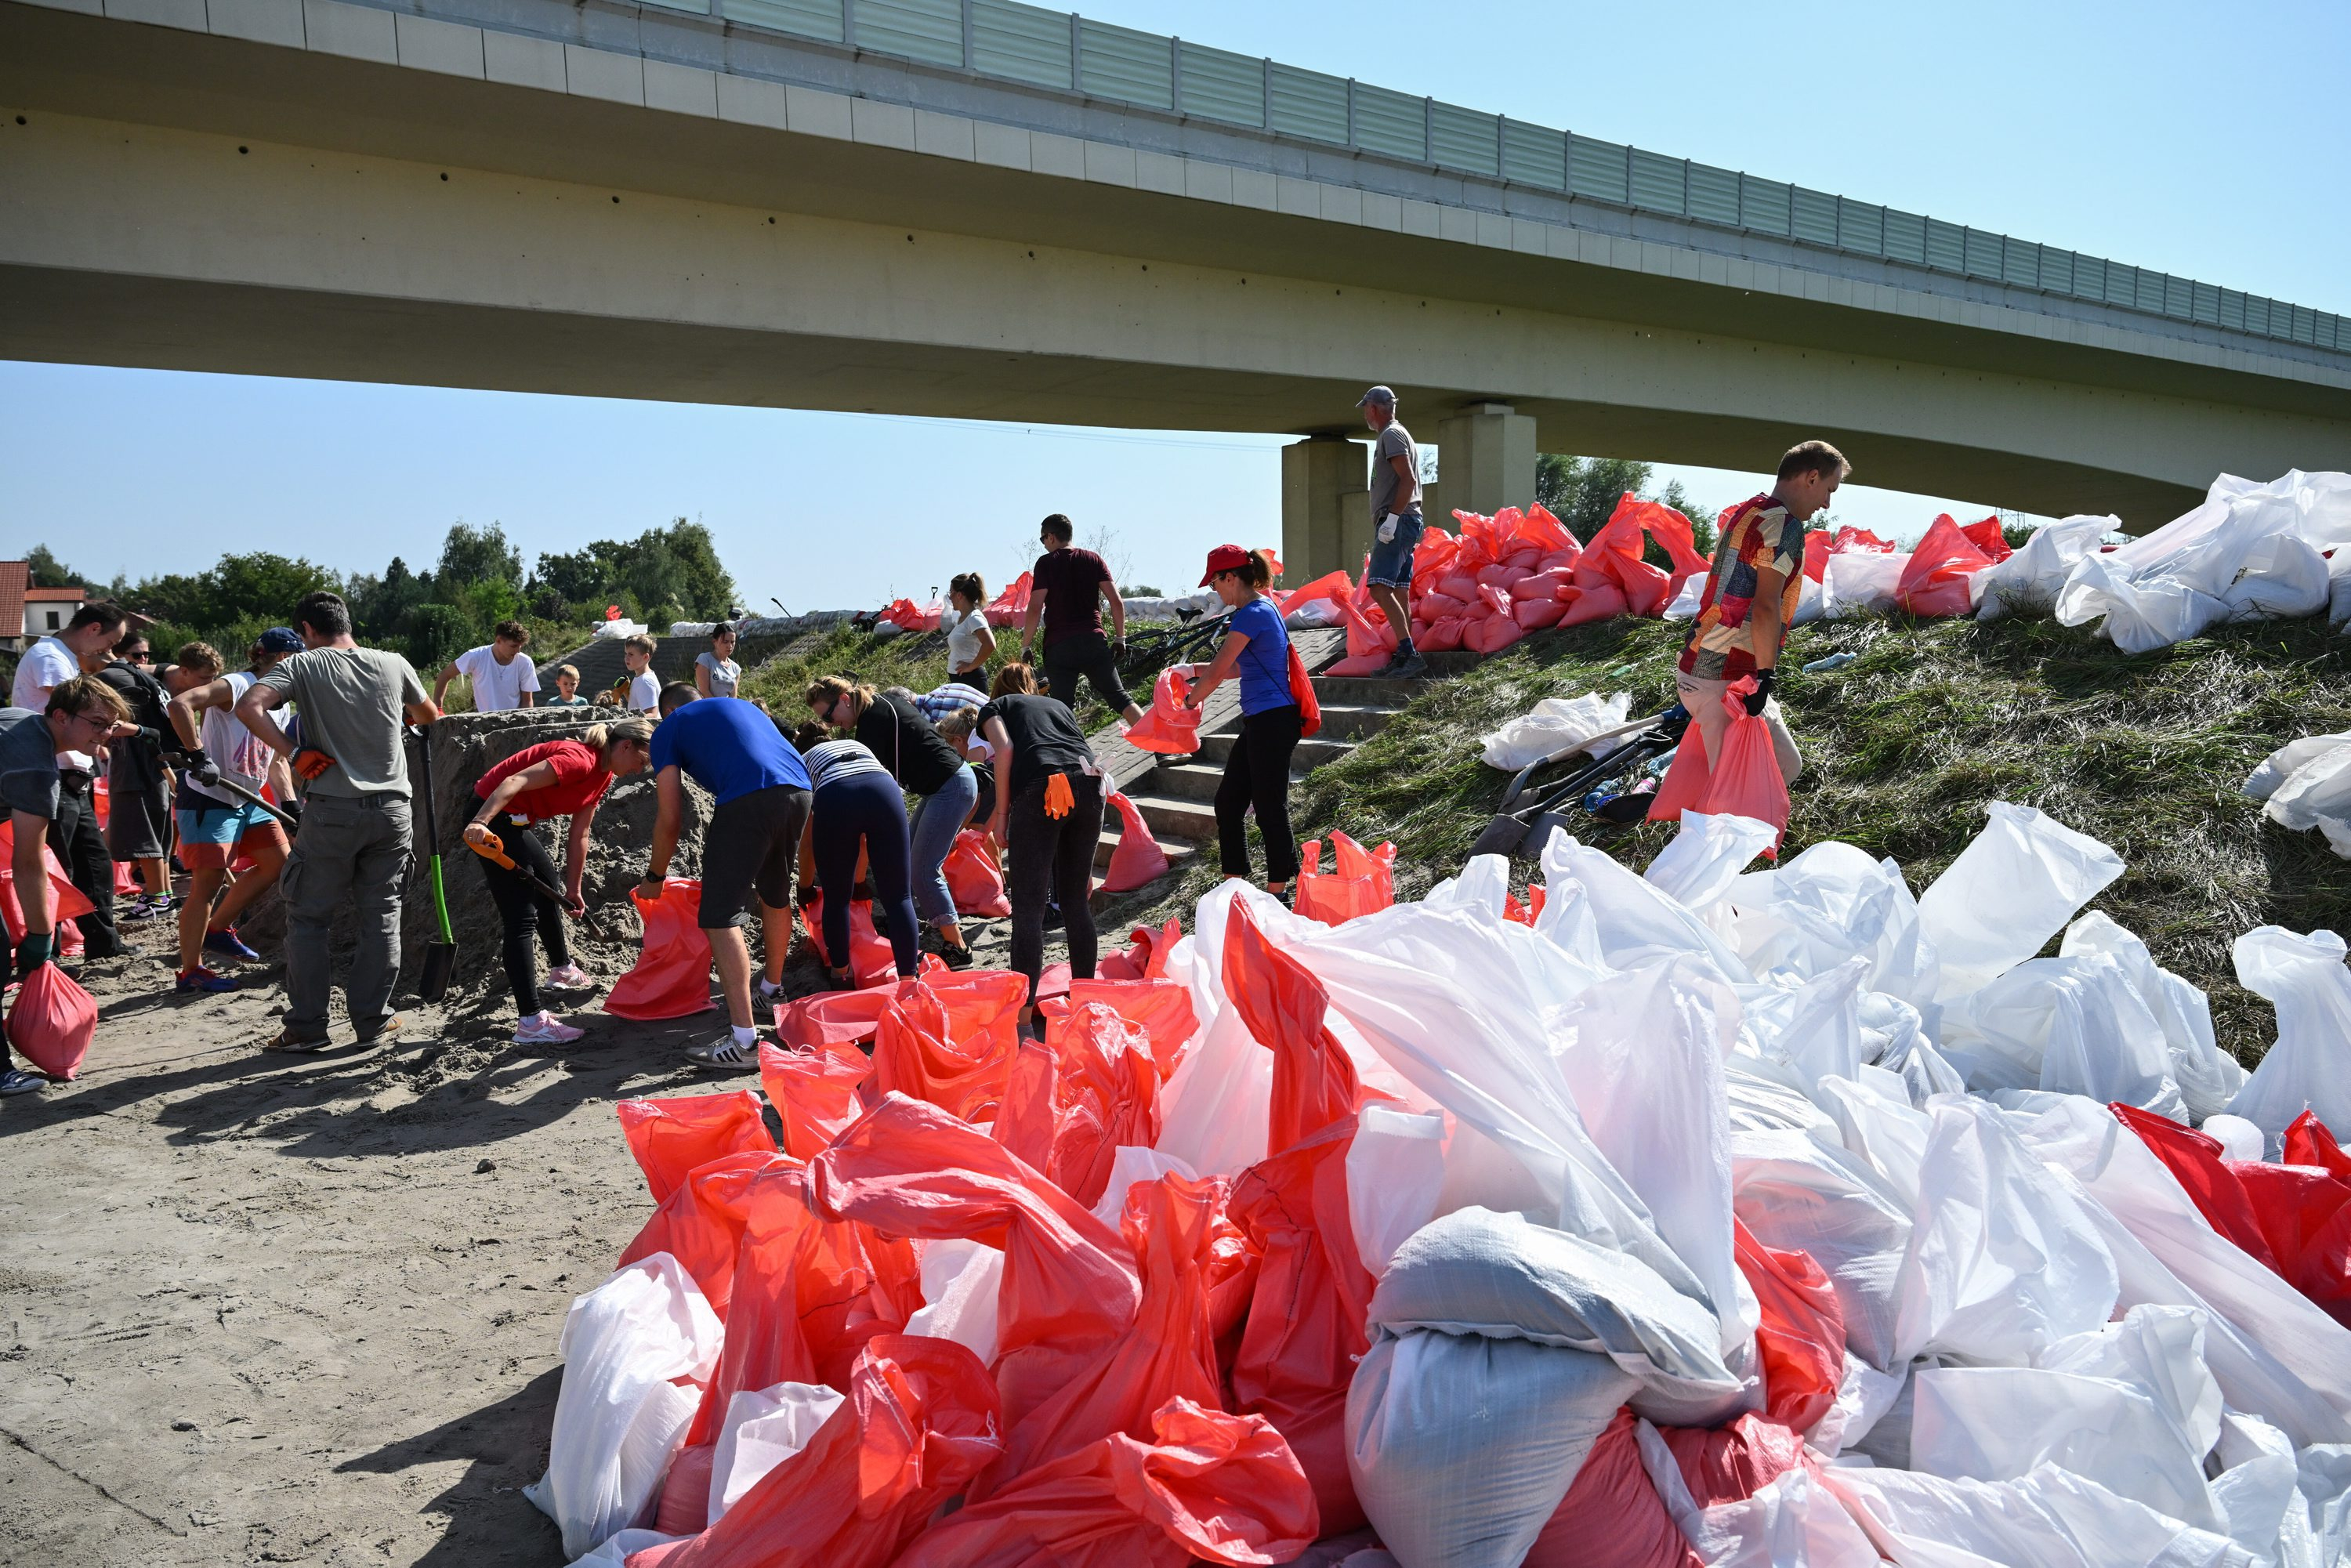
1502	836
440	961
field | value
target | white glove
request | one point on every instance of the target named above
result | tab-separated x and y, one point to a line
1387	527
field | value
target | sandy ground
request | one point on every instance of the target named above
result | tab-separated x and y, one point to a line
276	1309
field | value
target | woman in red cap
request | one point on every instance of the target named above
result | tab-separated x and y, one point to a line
1257	649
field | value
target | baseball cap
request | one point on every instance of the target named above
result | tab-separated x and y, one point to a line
1224	558
279	639
1378	394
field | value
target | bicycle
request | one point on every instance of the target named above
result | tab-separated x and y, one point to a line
1188	642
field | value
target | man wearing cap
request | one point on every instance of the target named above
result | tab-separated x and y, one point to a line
217	826
1395	526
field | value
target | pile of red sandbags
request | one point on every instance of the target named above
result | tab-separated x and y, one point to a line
1008	607
908	616
1856	573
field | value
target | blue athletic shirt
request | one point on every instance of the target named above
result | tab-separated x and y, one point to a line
730	748
1264	662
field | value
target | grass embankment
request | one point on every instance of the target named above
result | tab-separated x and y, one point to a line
1905	747
916	660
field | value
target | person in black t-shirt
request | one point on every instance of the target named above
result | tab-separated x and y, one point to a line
1065	589
1047	817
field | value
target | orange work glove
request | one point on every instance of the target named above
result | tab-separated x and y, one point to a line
309	762
1057	796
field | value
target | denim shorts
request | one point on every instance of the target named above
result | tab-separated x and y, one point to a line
1392	562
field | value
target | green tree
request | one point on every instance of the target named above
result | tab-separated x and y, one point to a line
471	555
662	575
48	571
1583	491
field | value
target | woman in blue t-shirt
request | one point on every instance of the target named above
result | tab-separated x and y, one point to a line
1257	649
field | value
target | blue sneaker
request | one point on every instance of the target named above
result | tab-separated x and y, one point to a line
202	979
226	944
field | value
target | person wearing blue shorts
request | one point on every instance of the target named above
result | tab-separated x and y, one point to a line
1395	527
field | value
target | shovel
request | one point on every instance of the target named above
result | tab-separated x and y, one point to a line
495	853
1507	834
440	956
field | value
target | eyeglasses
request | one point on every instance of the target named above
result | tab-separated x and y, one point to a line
101	721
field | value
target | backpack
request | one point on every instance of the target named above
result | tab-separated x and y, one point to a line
1301	692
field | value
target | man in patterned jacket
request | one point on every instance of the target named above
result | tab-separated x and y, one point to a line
1751	596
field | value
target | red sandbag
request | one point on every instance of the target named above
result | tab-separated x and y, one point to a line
920	1421
672	977
1461	586
975	880
1935	582
1008	607
1169	727
1160	1009
1612	1516
1306	1322
1358	881
1336	586
51	1022
1802	1341
1071	1288
1430	605
671	1137
1525	914
700	1224
907	615
1547	534
1747	782
1444	634
1145	957
1614	556
921	1049
1597	602
66	900
1138	858
1986	536
1501	574
1534	614
1687	781
814	1091
1365	665
1105	1096
829	1018
2308	1142
1435	552
872	960
1491	634
1204	1487
126	879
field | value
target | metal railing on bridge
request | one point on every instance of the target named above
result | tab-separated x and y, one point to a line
1069	53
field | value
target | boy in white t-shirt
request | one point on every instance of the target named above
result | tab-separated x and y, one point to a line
642	693
502	675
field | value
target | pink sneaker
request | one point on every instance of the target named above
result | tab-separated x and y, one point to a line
543	1028
570	977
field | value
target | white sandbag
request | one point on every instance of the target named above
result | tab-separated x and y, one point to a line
1636	922
1768	1095
1396	1175
2206	1074
2258	1488
618	630
1790	1521
2309	1067
961	1281
2051	1518
1812	1026
2316	795
1686	601
2013	888
2028	581
1808	602
2338	588
2294	756
1831	903
2273	1352
1705	856
1315	614
2069	1026
1861	582
764	1428
1553	727
2159	1351
2238	1139
2001	1260
1167	606
1795	1192
1879	1126
1864	1395
635	1349
1128	1165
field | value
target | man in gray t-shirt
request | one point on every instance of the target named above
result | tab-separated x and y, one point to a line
1395	526
355	840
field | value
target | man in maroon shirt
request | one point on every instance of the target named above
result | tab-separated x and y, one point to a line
1066	588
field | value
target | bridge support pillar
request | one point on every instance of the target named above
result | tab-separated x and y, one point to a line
1486	461
1324	522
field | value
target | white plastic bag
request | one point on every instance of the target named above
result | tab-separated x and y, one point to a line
2028	582
1635	922
1395	1176
1861	582
2207	1075
2070	1026
961	1280
2049	1519
1790	1521
1794	1193
1829	903
2317	793
761	1430
1705	856
2013	888
636	1351
2309	1068
1553	727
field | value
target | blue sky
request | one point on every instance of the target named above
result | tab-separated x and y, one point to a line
2198	140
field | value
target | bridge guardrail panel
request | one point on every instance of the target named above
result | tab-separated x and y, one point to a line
1130	66
1216	84
1021	43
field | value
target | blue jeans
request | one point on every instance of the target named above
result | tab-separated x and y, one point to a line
1392	562
938	821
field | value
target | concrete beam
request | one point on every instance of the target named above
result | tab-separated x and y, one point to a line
1323	497
1486	461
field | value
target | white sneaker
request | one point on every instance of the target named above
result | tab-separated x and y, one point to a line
570	977
543	1028
770	990
724	1054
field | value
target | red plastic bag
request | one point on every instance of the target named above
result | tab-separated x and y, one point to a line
2308	1142
814	1093
906	614
1169	727
1146	956
1138	858
1802	1341
1105	1096
1162	1009
126	879
829	1018
920	1421
1614	556
51	1022
1007	608
671	1137
1336	586
1444	634
975	880
1935	582
66	900
1358	881
872	959
1071	1288
1687	778
1204	1487
1305	1328
1491	632
700	1223
959	1064
1587	602
1302	693
1546	533
1747	782
1612	1516
672	977
1986	536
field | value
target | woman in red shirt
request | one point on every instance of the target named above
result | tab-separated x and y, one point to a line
553	778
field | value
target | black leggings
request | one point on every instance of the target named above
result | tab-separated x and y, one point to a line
1056	855
1258	774
867	808
522	908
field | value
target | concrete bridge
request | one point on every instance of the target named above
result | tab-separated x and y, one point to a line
982	209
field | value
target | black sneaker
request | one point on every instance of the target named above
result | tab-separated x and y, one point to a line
1406	666
956	957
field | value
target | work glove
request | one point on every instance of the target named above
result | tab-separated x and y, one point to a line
309	762
1387	527
294	809
1760	695
36	949
1118	648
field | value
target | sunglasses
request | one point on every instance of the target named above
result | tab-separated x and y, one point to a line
142	657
